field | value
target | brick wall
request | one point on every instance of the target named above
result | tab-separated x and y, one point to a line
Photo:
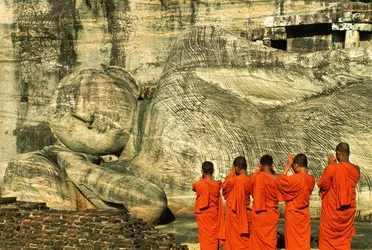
27	225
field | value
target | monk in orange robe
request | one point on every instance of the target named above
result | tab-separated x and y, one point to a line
236	190
295	190
265	213
209	209
337	190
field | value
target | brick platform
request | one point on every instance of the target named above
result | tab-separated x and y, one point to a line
27	225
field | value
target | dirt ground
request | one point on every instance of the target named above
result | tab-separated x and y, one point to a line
186	232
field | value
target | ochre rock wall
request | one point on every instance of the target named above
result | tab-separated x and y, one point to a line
44	41
221	96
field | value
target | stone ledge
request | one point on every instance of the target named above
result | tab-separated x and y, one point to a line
349	13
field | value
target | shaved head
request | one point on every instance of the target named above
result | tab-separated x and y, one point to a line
300	160
343	148
266	160
207	167
240	162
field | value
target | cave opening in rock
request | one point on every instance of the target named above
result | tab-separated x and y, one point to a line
365	36
279	44
308	38
319	29
338	39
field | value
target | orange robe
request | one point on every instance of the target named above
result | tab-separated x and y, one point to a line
337	190
236	190
209	213
265	213
295	190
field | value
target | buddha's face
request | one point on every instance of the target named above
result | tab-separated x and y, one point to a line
93	113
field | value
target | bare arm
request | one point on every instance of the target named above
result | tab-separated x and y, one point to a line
331	159
326	179
289	164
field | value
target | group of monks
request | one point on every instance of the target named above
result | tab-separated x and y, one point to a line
242	226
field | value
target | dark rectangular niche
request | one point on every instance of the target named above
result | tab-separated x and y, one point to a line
338	36
309	38
338	39
310	30
279	44
365	36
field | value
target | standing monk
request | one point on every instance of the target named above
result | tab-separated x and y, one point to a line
208	209
337	190
295	190
265	213
236	190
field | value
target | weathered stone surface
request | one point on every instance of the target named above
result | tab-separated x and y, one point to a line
352	26
142	198
39	133
293	20
34	177
316	31
54	38
93	113
344	12
260	88
309	43
221	96
70	181
109	158
352	39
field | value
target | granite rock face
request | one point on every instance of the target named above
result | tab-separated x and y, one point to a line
93	113
34	177
142	198
217	95
221	96
67	180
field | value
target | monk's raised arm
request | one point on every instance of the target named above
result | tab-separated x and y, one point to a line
325	180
